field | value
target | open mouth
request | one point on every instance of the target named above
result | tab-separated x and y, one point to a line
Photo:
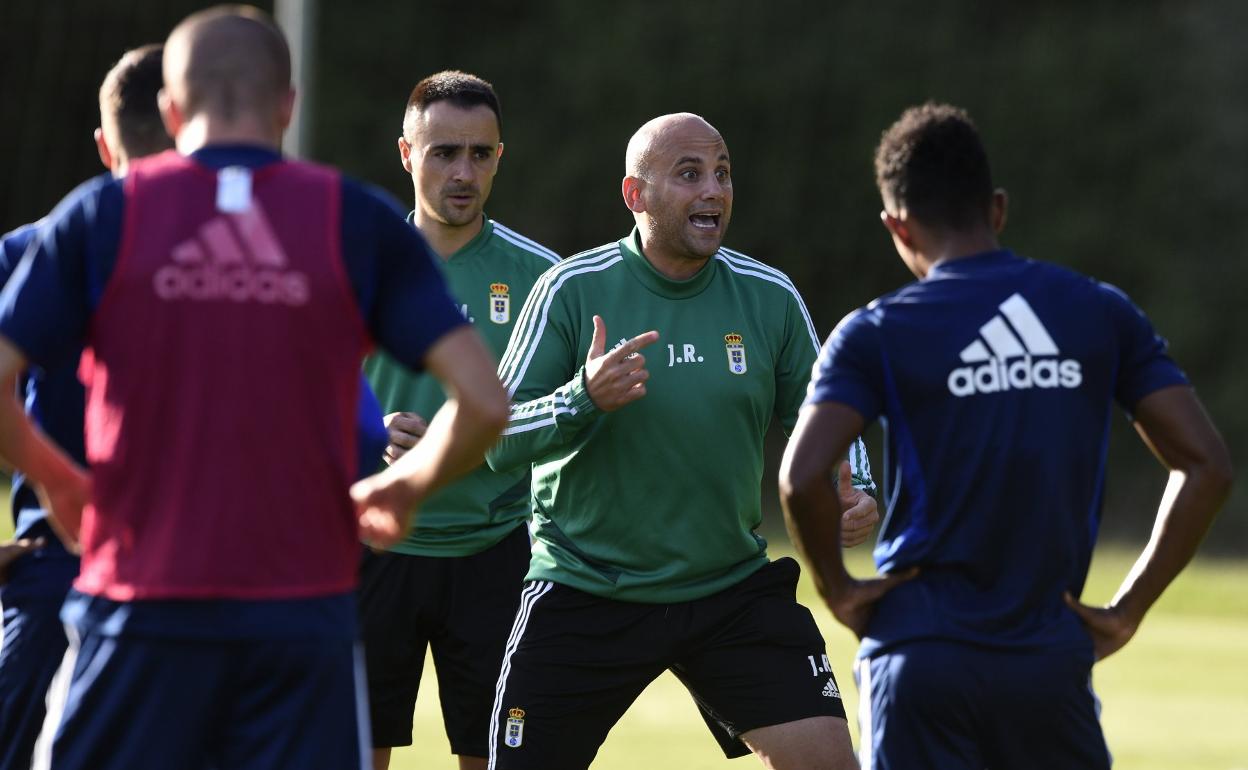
705	221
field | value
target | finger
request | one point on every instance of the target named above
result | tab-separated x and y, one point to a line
402	439
1085	612
860	509
844	477
891	581
633	393
409	422
629	365
633	345
598	344
379	528
394	452
855	526
362	492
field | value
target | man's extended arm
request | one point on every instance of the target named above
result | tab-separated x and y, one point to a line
458	435
1174	424
812	510
63	487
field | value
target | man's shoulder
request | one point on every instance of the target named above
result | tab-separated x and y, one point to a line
591	261
756	274
359	196
13	245
523	249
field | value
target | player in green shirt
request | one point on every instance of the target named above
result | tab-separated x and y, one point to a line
646	473
453	584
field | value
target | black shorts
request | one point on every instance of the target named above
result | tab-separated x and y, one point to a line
750	655
463	608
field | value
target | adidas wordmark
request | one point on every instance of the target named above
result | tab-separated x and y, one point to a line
235	257
1036	362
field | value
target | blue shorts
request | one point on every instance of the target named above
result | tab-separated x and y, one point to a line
34	644
950	706
135	700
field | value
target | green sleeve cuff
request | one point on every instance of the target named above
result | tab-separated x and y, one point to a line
583	408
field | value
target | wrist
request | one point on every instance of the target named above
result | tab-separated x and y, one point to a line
579	401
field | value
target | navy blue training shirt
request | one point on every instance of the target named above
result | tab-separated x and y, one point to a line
994	378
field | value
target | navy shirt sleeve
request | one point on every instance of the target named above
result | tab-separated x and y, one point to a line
13	246
48	300
849	369
1144	365
406	304
372	436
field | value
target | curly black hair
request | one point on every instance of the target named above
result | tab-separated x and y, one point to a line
932	164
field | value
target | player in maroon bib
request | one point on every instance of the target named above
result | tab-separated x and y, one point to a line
201	259
226	298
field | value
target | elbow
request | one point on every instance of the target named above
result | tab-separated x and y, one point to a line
1220	472
492	412
794	487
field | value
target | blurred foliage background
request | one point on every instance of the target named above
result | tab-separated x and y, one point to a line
1120	131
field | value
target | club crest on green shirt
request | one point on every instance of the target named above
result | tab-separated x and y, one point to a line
500	303
735	345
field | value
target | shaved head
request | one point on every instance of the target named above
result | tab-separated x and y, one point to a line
228	61
655	134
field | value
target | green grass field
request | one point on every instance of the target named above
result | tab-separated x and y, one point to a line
1175	699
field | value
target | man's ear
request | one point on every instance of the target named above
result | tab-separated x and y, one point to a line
999	212
632	188
405	155
170	115
897	228
101	147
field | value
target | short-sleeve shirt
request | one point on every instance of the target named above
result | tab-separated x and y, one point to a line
994	378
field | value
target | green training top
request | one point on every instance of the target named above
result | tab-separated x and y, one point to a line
657	501
490	277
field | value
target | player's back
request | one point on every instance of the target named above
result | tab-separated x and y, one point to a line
999	375
222	382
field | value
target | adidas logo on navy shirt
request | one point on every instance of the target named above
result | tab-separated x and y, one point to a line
1035	358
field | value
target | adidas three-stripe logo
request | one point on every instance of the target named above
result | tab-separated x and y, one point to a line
234	257
1015	333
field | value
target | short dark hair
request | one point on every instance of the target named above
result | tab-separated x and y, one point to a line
458	88
932	163
128	102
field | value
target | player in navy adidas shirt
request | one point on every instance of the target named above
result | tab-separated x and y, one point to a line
36	585
213	620
995	377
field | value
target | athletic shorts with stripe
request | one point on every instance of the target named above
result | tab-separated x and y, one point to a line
34	644
934	704
462	608
136	701
750	655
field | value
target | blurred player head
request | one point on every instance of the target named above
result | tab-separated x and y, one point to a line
678	184
451	147
227	78
936	185
130	125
